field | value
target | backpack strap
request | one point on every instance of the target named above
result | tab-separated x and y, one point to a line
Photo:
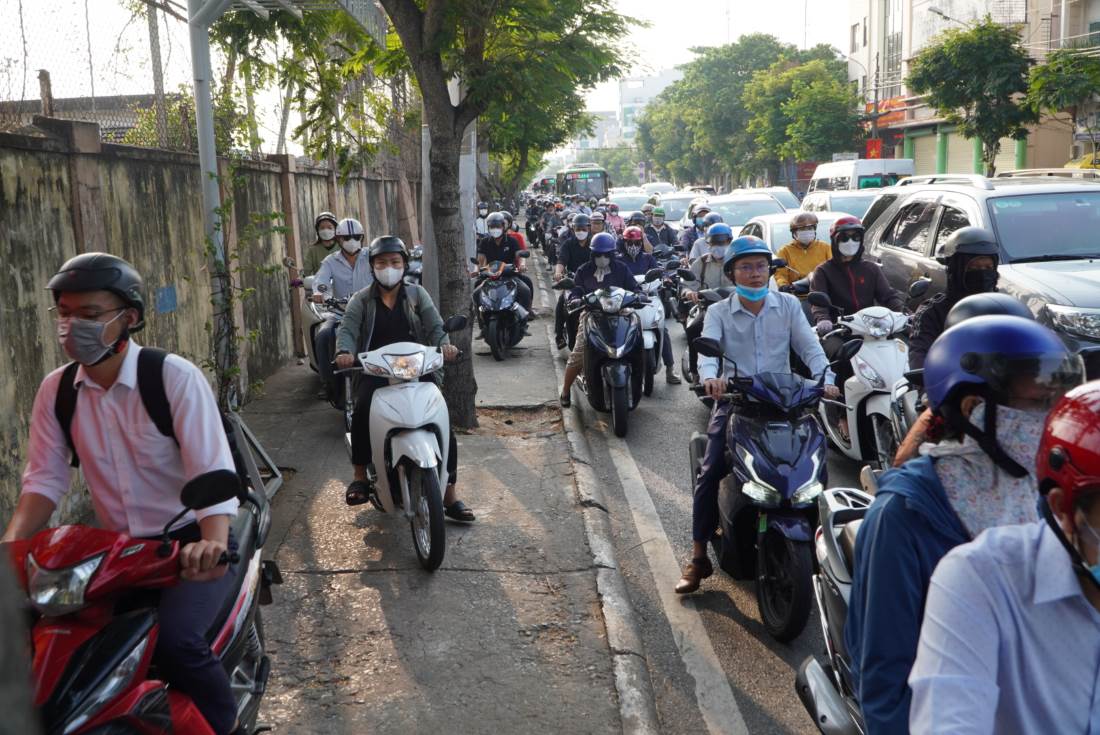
150	380
64	407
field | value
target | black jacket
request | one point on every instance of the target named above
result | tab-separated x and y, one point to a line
572	254
926	326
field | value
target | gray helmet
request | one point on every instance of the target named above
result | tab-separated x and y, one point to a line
322	217
973	241
496	219
581	220
102	272
986	304
387	244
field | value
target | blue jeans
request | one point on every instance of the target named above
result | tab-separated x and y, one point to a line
324	346
704	511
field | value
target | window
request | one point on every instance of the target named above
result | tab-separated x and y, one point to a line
855	38
1023	224
751	229
952	219
865	31
1094	34
911	228
840	183
891	69
878	206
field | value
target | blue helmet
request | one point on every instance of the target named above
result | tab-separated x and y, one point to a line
712	218
603	242
742	246
720	229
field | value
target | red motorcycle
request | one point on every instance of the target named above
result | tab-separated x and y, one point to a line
94	595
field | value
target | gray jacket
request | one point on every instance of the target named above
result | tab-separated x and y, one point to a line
354	333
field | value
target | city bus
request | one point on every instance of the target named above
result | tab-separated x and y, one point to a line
586	179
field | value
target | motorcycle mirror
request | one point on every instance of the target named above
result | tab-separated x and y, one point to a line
847	351
653	274
524	254
210	488
801	286
821	299
915	377
473	260
779	263
672	265
289	262
707	347
456	323
919	287
417	252
564	284
308	282
686	275
321	288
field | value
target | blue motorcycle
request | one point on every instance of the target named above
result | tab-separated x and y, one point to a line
767	505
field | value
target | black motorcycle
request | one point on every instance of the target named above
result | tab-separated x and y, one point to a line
414	274
502	318
693	324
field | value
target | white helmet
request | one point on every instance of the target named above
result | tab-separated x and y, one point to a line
349	226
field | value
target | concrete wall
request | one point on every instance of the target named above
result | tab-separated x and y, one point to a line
63	193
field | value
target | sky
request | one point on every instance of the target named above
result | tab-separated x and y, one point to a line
675	26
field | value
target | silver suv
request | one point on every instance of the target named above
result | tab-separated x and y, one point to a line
1048	230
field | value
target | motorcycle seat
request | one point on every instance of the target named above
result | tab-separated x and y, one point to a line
243	530
848	542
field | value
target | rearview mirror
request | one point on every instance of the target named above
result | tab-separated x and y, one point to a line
779	263
653	274
820	299
289	262
308	282
564	284
919	287
210	488
473	260
848	350
671	265
801	286
417	252
321	288
915	377
456	323
707	347
524	254
686	275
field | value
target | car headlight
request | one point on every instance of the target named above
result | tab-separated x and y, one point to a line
406	367
60	591
611	303
807	493
114	683
1076	321
869	373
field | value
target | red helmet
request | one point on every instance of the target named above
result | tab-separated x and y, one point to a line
1069	451
633	234
845	224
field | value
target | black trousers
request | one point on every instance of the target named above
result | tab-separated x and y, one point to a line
693	330
565	324
843	369
360	427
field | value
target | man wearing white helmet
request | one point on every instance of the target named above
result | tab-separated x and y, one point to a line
341	274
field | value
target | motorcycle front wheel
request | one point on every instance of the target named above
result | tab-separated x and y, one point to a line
784	584
620	407
650	371
427	524
886	445
496	337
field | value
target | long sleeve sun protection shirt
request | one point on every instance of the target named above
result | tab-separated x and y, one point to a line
342	278
1009	643
853	286
761	343
801	261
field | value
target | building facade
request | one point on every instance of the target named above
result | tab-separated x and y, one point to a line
884	37
636	93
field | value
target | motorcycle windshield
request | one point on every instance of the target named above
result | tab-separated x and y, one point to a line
782	451
785	391
612	332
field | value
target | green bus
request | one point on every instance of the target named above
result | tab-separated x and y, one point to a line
586	179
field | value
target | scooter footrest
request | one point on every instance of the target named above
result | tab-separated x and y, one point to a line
263	671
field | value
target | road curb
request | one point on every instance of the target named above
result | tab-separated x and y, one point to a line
637	704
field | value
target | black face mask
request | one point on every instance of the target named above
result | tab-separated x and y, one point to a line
980	281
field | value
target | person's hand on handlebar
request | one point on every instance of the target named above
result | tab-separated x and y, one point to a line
345	360
558	275
450	353
318	298
832	392
824	327
715	387
692	296
199	561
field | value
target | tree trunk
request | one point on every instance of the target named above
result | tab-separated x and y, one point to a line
990	151
15	699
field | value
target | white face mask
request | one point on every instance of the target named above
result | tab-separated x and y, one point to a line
805	236
582	235
326	233
351	247
483	212
389	277
496	232
848	248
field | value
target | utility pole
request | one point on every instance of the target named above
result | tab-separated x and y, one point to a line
874	111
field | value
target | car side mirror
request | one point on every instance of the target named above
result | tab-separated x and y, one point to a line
210	488
707	347
653	274
820	300
919	287
524	254
686	275
456	323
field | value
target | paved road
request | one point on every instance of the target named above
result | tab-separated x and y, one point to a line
651	469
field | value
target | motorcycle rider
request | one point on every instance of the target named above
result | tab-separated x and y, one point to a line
389	311
637	219
1008	643
647	212
325	227
757	328
970	256
342	273
639	262
134	472
697	213
480	228
658	232
603	271
502	245
990	382
615	223
710	272
803	253
597	220
699	248
572	254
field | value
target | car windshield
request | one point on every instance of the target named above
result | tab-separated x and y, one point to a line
1047	225
787	199
630	202
676	208
856	206
736	214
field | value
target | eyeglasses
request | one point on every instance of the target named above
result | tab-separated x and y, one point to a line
345	238
748	270
92	314
850	237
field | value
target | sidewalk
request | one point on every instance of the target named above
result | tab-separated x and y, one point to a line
506	637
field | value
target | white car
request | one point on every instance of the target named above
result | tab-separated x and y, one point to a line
775	229
658	187
854	203
781	194
738	209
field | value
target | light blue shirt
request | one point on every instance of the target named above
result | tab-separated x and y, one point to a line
338	274
1009	643
761	343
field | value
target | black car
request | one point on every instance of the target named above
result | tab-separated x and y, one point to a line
1048	231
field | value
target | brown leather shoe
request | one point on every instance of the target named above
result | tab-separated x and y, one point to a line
694	573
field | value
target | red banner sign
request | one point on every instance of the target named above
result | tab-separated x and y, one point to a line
874	148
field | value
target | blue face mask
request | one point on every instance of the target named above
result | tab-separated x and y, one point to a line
1094	569
699	221
718	252
752	294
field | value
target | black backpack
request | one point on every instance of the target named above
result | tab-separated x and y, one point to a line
150	382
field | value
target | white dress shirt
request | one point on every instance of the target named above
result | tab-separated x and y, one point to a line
135	473
342	279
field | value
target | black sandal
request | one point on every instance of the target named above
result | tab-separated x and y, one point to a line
457	511
566	400
358	492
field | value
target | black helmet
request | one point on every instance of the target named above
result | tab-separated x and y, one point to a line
102	272
635	217
508	216
581	220
974	241
496	219
323	216
986	304
387	244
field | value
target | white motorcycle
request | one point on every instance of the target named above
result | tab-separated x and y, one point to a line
313	318
652	316
410	430
878	377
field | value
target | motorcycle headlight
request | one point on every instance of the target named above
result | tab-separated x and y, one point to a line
508	299
807	493
483	296
1076	321
878	326
406	367
109	688
869	373
60	591
611	302
761	493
